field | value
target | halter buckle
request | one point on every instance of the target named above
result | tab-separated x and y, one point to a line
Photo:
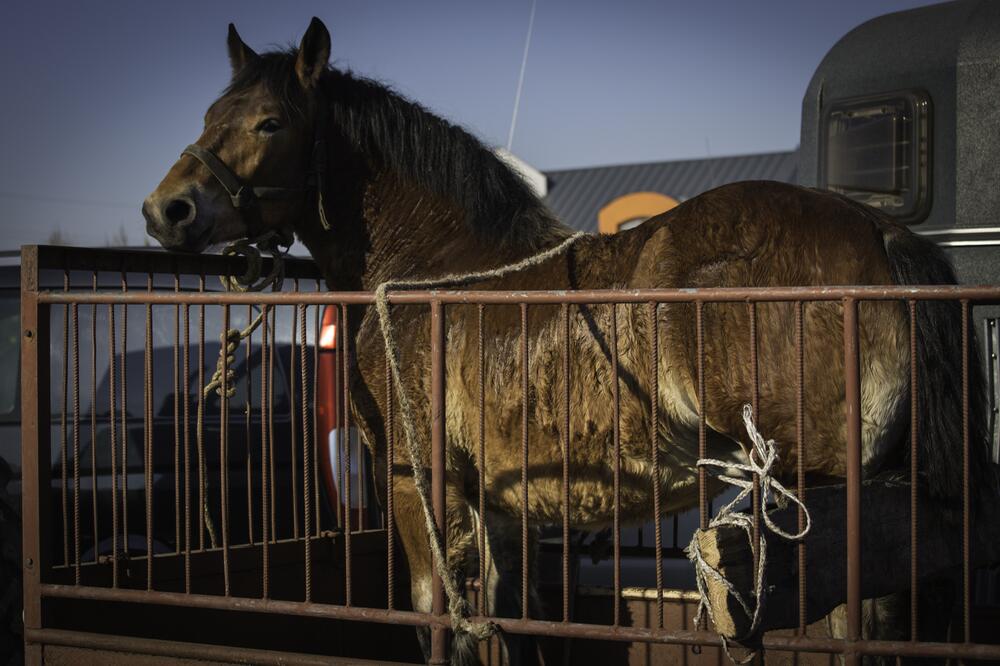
243	198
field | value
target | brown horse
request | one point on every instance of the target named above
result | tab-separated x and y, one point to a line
378	188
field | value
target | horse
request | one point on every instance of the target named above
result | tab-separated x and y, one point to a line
378	188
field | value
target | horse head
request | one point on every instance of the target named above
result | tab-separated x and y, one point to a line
260	157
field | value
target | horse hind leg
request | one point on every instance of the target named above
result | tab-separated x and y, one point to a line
881	619
888	618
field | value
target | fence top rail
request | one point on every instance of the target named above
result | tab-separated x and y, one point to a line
153	260
976	294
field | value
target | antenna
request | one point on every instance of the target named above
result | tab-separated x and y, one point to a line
520	78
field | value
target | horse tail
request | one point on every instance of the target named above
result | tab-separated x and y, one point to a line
915	260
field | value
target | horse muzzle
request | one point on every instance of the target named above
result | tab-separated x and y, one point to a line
175	223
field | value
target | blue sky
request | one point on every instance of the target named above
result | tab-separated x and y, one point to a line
100	97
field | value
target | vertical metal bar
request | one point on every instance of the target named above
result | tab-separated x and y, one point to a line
36	455
800	386
272	346
567	437
306	460
702	408
317	435
113	445
914	440
177	419
345	341
616	430
755	388
852	403
199	434
481	433
338	398
224	446
654	451
265	511
93	419
124	347
438	633
966	485
75	333
359	465
147	463
63	436
390	523
247	422
293	416
187	448
524	462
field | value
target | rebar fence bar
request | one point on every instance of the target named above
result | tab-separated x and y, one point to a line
261	499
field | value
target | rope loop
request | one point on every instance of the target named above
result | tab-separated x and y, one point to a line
276	242
762	457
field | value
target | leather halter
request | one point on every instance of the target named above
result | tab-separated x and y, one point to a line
245	196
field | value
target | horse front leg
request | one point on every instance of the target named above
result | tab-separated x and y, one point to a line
412	531
503	587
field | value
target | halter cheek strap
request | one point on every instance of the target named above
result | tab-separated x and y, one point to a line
244	196
241	194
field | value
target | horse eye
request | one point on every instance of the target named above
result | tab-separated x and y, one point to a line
269	126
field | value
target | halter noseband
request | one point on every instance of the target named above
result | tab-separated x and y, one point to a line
244	196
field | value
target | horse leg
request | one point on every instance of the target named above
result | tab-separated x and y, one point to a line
412	531
503	587
881	618
888	618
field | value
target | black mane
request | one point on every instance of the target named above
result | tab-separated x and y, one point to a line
401	137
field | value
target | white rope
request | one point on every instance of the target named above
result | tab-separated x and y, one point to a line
458	607
762	457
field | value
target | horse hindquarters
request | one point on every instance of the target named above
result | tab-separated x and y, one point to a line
914	260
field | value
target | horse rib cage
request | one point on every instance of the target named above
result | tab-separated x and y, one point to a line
158	520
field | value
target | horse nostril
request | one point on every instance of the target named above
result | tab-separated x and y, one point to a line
179	210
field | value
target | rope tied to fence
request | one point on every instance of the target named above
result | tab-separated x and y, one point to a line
458	608
251	248
277	243
762	456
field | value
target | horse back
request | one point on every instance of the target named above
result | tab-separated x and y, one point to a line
768	234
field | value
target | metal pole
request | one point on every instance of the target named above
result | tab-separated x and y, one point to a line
35	453
439	637
852	409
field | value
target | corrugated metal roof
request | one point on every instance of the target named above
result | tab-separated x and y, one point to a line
576	195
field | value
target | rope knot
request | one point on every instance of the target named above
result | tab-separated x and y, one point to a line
761	459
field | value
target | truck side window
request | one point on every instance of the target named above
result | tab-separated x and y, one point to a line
876	150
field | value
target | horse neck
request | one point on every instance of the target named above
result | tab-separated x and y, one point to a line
404	232
389	226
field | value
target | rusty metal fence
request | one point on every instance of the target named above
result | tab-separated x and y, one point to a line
141	491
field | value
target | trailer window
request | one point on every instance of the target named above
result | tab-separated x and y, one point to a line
877	151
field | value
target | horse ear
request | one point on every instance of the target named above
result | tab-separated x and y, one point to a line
314	54
240	55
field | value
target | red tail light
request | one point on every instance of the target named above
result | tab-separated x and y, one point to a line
328	333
